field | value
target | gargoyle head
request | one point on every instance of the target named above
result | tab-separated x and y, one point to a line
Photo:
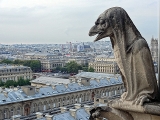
113	23
101	27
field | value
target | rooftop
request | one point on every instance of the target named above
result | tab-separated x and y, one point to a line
101	80
50	80
3	66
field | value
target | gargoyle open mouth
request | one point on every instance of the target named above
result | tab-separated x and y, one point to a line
98	36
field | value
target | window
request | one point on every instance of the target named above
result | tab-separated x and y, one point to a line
12	112
5	114
18	111
44	107
54	105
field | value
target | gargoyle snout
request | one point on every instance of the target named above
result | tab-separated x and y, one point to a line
93	31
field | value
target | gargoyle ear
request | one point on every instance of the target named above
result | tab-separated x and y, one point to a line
105	25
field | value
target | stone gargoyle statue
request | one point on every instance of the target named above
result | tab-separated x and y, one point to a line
133	57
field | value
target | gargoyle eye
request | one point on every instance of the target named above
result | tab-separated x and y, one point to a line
96	23
101	21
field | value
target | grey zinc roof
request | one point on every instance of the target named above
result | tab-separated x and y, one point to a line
94	83
50	80
19	95
64	116
94	75
2	67
74	86
113	81
60	88
103	81
81	114
102	56
30	54
3	98
46	91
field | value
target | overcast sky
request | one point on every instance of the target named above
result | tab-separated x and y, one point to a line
61	21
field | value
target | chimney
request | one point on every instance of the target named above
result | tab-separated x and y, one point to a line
77	106
79	82
16	117
39	115
75	80
29	90
87	108
98	80
66	85
63	109
37	89
5	93
73	112
108	78
70	79
49	117
53	86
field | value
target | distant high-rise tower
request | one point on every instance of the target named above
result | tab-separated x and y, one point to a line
154	49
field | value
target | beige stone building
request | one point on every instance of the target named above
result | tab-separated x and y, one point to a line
82	88
12	72
48	61
49	65
104	64
39	56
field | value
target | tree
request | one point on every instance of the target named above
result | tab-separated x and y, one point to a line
18	62
73	67
90	69
35	65
1	83
85	69
10	83
20	82
7	61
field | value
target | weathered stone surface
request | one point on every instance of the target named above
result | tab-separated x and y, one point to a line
149	112
132	55
134	60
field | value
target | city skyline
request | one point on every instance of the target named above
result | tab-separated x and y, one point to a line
58	22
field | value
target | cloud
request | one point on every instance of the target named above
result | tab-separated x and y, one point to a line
42	21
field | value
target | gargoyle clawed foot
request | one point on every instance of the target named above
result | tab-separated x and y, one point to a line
123	96
96	111
140	100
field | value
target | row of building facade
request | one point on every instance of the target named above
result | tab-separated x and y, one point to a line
13	72
28	100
